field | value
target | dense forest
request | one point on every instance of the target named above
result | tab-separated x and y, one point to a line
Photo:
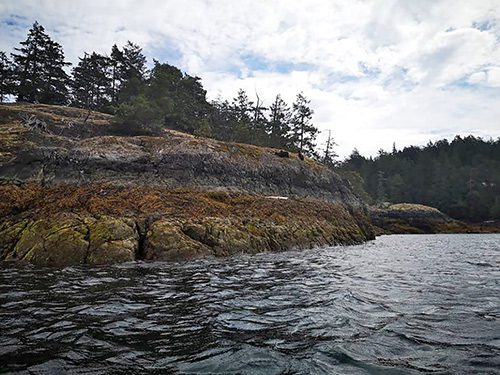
461	178
146	100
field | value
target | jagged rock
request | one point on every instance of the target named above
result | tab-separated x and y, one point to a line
176	160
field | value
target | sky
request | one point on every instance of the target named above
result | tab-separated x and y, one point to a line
376	72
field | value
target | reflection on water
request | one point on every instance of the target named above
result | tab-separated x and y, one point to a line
397	305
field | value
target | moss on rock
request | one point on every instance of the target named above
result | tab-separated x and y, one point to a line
165	240
57	241
112	240
98	224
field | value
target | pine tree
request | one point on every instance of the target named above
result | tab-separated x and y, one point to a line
134	62
222	119
117	61
56	79
241	115
278	125
131	72
6	77
303	131
330	155
39	69
242	107
91	85
258	122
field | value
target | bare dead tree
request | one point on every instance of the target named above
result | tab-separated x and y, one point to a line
32	123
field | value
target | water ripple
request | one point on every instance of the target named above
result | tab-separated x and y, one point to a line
398	305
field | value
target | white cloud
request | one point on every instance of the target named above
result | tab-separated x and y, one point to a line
376	71
494	76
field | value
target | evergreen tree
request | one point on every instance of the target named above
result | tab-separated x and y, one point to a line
55	78
116	61
303	131
6	77
461	178
329	155
39	69
242	109
178	98
133	62
204	130
258	122
278	126
222	119
131	71
91	85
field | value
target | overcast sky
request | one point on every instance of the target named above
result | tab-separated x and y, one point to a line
377	72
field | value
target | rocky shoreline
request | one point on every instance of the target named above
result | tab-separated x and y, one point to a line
405	218
102	224
73	192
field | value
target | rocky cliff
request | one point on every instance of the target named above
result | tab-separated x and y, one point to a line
74	192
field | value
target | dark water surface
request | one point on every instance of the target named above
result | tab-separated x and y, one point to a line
397	305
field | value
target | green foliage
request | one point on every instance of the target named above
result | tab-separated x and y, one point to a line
147	101
356	183
303	133
100	82
278	126
6	77
137	117
204	130
461	178
246	121
39	69
91	83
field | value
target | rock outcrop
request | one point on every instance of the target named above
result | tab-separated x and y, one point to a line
173	160
101	224
74	193
406	218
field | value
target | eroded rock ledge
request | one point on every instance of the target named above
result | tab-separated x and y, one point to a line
102	224
408	218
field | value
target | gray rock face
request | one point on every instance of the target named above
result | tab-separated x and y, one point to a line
175	160
405	218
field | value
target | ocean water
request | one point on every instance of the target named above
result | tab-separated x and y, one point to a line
397	305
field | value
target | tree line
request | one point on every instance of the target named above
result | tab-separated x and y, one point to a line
144	101
461	177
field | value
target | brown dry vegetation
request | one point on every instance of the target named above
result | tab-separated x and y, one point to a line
52	114
102	199
79	123
97	223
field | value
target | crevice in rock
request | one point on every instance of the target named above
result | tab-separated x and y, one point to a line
142	234
86	238
12	247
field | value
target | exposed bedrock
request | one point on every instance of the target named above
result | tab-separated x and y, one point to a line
75	193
